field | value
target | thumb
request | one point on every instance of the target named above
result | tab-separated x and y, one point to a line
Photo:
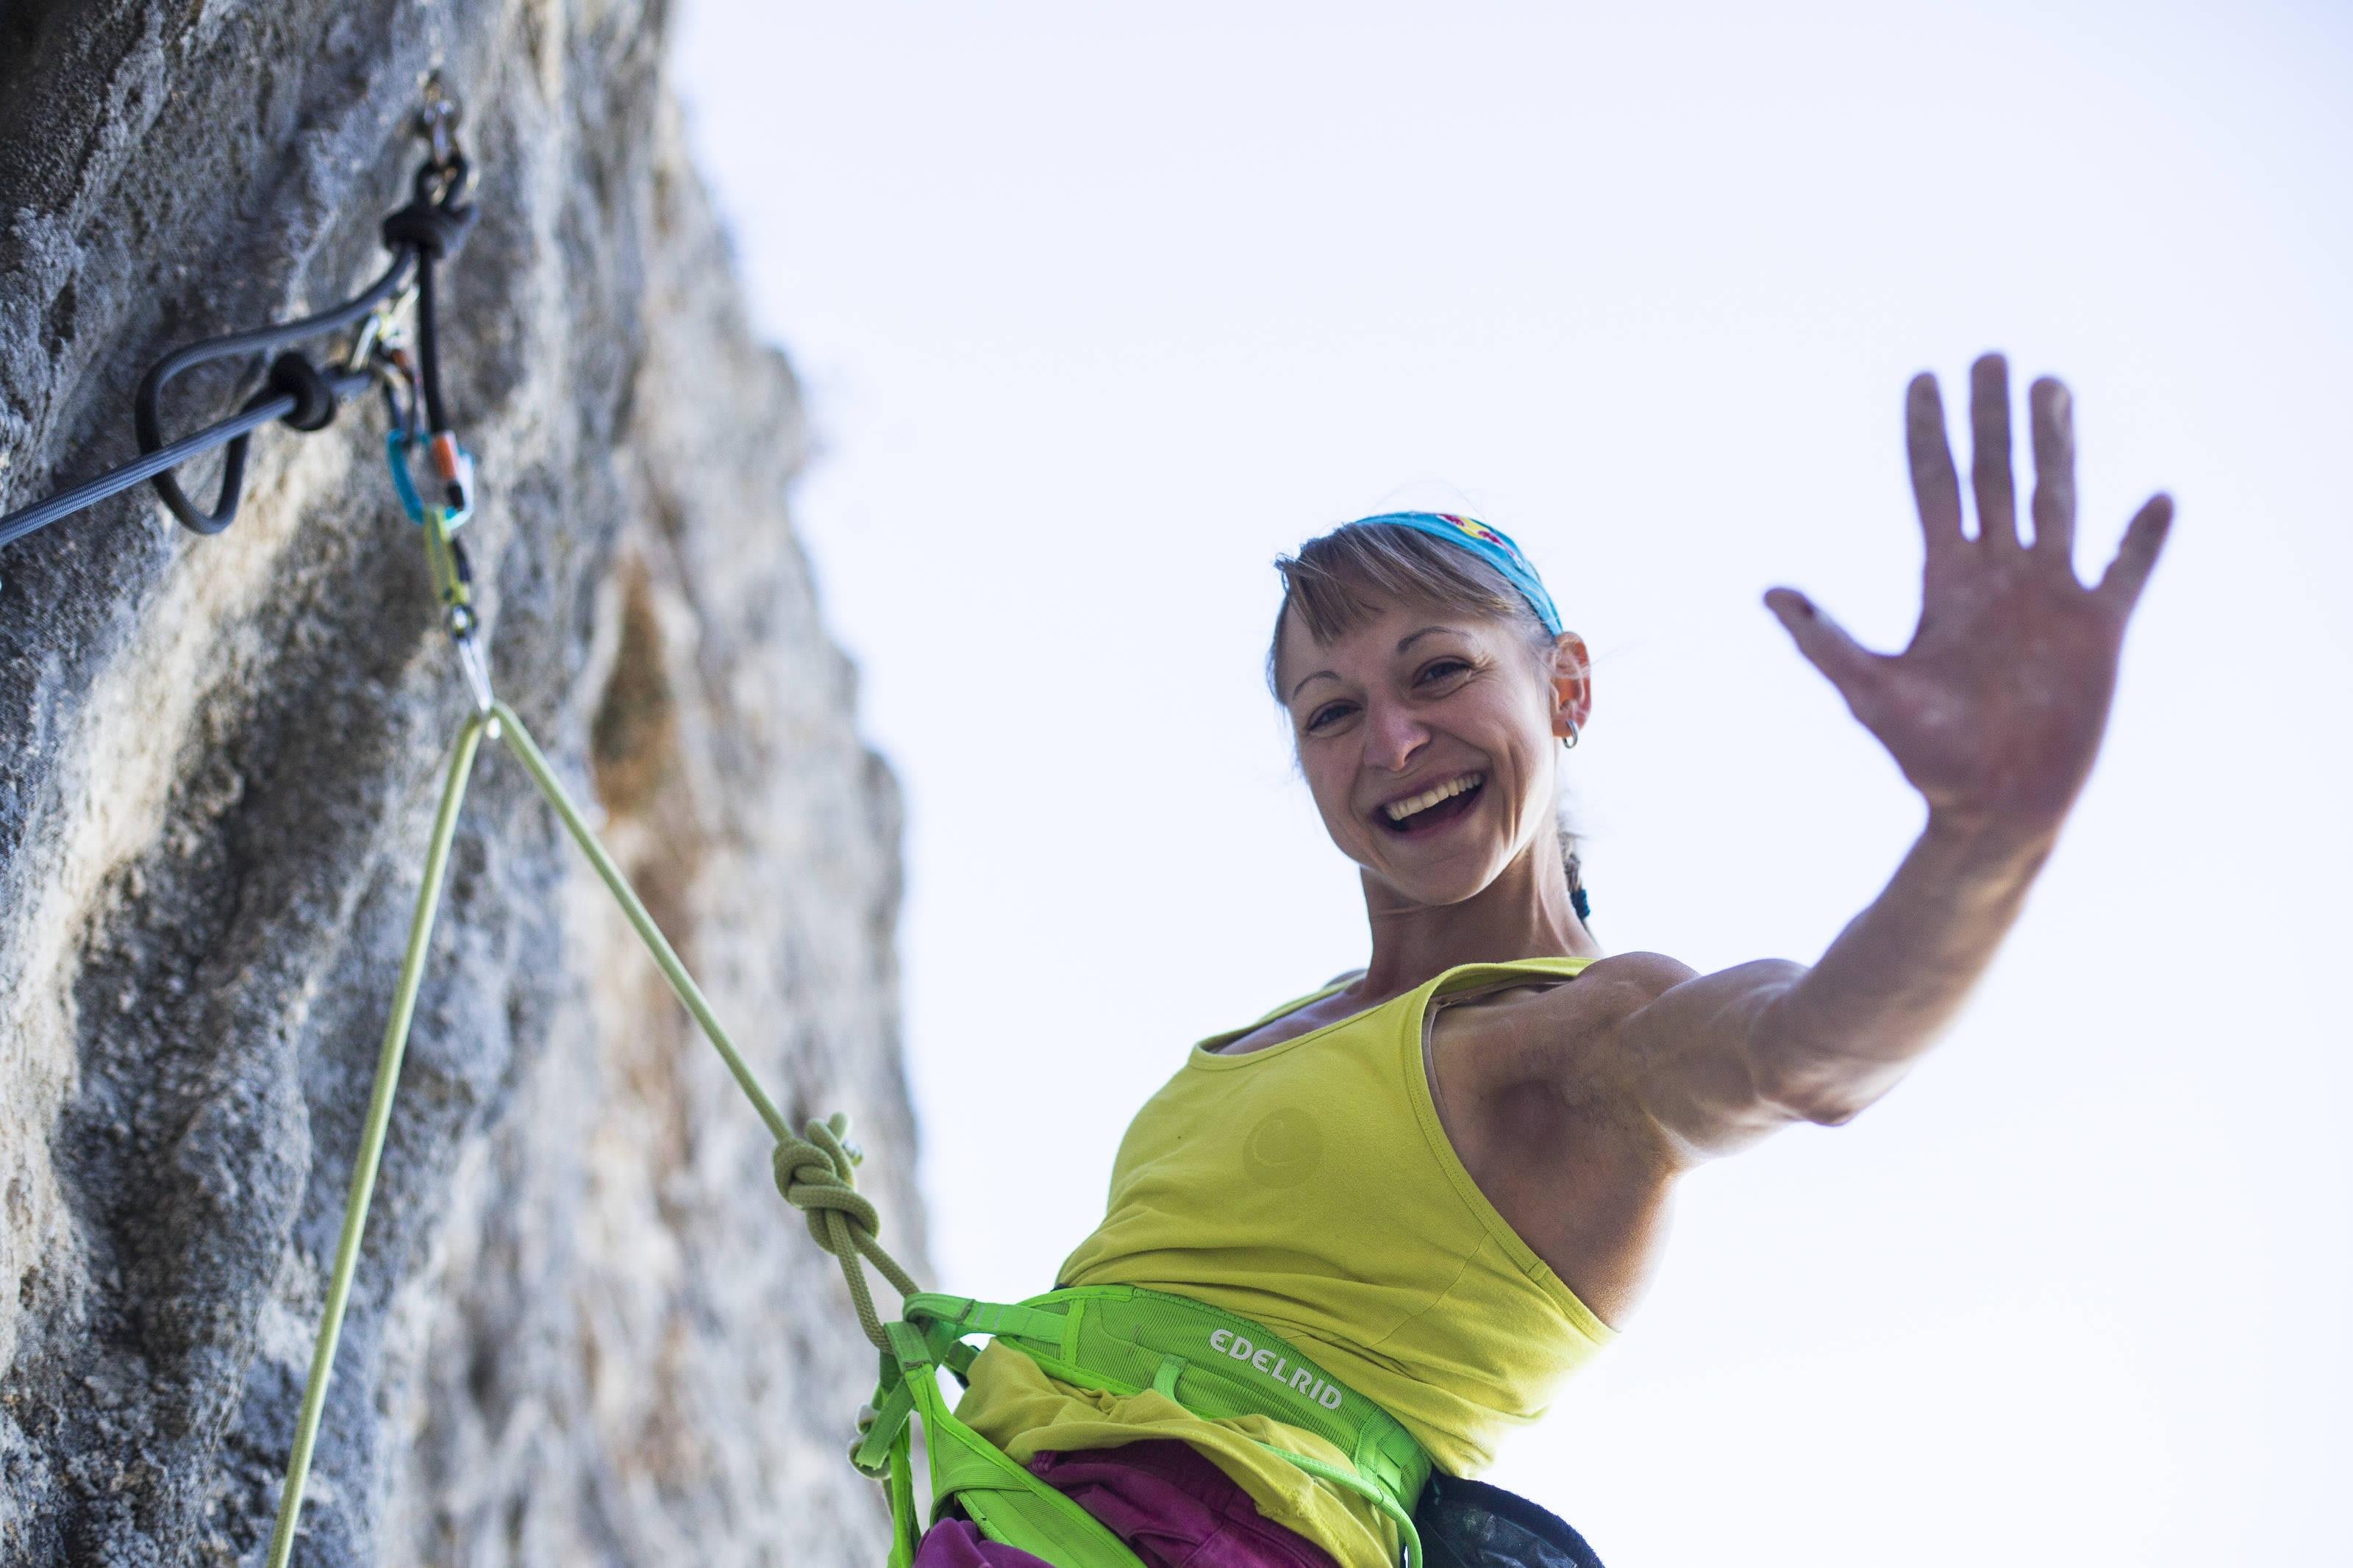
1823	641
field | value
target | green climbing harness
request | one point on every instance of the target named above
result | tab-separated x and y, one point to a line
1119	1340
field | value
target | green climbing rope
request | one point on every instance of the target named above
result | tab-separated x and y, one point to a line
814	1173
816	1170
371	1154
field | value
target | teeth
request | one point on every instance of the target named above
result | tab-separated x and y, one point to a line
1430	797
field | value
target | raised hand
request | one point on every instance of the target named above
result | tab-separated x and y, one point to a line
1995	711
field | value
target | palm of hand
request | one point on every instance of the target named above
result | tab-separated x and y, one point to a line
1996	708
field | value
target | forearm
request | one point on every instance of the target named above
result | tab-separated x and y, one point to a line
1839	1037
1994	712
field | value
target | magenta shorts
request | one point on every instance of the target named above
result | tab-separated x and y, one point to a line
1172	1507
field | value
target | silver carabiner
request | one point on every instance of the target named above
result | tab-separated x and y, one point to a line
478	675
437	122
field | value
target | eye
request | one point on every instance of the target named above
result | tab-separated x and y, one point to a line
1331	713
1440	670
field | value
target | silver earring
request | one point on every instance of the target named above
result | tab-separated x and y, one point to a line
1569	742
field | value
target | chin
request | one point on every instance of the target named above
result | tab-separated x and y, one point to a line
1450	868
1436	886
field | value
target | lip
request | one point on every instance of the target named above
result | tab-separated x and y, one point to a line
1379	814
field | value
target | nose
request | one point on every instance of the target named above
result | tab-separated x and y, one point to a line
1392	736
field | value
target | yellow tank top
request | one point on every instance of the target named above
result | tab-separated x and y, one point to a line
1310	1186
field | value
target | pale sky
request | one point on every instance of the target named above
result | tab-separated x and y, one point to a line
1097	312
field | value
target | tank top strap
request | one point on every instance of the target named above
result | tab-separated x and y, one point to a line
1465	977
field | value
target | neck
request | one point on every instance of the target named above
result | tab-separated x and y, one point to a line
1523	913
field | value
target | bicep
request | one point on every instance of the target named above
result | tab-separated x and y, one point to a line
1691	1057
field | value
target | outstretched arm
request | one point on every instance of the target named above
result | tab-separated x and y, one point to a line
1994	712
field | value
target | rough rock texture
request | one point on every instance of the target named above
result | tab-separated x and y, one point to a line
585	1329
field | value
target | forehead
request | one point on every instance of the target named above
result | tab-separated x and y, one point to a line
1371	642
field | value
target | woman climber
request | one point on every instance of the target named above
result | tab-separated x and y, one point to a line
1434	1188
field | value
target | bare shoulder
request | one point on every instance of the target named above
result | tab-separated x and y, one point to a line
1522	1033
1607	992
1636	978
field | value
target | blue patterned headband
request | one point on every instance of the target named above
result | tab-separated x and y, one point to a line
1489	543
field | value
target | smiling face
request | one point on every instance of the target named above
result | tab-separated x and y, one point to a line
1428	737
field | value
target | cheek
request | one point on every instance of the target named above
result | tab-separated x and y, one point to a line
1523	752
1328	785
1534	801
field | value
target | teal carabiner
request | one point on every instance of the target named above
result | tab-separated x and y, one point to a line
400	450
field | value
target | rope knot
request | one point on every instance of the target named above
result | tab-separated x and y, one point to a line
818	1174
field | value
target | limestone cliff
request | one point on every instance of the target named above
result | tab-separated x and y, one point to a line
585	1329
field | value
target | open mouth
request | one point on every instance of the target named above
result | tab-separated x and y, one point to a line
1433	809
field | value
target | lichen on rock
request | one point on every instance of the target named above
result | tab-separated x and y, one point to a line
584	1329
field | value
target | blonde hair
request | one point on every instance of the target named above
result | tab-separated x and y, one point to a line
1336	581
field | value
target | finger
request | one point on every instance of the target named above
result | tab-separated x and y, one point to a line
1936	489
1989	452
1849	665
2127	574
2053	413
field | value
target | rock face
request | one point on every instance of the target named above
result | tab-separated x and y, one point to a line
585	1328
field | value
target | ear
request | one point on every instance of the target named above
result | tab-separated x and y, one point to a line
1572	684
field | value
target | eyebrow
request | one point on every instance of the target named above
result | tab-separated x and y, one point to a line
1319	675
1404	643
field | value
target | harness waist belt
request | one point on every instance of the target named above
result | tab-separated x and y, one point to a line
1217	1364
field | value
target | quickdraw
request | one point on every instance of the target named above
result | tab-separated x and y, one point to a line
295	390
